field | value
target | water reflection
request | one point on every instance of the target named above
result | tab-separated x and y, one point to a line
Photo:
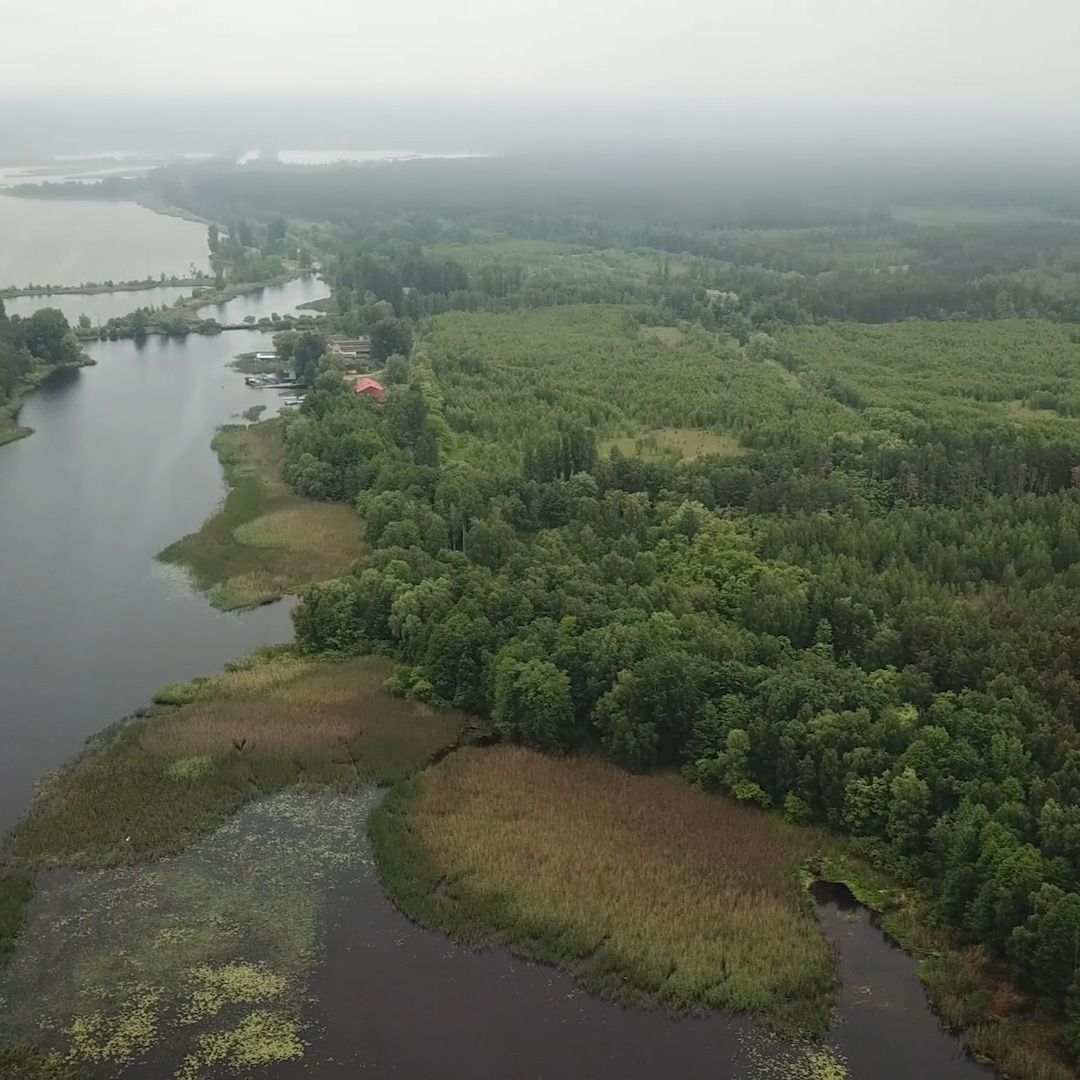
119	466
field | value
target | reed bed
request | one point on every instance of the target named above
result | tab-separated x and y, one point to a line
642	885
152	786
263	541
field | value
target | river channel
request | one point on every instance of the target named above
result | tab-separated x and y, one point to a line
119	466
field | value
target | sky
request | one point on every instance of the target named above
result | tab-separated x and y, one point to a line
968	54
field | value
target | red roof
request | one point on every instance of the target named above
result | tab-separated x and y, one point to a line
371	388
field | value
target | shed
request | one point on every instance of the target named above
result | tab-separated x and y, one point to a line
371	388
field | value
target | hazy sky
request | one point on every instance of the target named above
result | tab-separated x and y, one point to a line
970	54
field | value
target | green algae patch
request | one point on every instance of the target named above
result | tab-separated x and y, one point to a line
120	1038
197	963
190	768
236	983
261	1038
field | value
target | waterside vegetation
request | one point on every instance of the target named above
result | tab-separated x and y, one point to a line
197	959
264	541
646	889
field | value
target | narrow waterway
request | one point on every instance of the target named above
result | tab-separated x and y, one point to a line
119	466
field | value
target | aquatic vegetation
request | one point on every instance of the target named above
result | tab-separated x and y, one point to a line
263	541
202	959
215	988
261	1038
253	730
121	1037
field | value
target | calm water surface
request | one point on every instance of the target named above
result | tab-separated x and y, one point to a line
62	242
283	299
396	999
99	307
118	467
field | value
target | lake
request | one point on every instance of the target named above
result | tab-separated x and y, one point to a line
65	242
119	466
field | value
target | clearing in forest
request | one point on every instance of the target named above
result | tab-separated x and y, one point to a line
674	442
264	541
669	335
645	887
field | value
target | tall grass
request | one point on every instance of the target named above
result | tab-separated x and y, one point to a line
263	541
641	885
152	786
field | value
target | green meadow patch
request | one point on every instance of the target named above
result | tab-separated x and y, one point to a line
263	541
674	442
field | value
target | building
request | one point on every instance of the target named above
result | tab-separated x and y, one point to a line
349	348
370	388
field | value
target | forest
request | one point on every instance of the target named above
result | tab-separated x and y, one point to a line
856	607
852	604
863	620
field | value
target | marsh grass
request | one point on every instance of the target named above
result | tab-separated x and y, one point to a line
152	786
263	541
207	948
646	889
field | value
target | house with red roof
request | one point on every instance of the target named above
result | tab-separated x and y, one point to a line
371	388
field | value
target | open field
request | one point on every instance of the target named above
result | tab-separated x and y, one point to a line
644	887
264	541
668	335
676	442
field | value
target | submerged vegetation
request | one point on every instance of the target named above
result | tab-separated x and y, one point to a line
645	888
264	541
200	958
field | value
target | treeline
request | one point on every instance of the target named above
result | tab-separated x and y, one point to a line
826	640
798	247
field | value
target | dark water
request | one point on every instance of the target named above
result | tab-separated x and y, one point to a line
64	242
886	1028
118	467
395	999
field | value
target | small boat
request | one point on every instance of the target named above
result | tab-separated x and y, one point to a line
293	401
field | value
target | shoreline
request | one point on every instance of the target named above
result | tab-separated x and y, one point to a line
10	428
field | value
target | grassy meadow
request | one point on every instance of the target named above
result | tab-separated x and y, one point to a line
645	888
673	442
264	541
